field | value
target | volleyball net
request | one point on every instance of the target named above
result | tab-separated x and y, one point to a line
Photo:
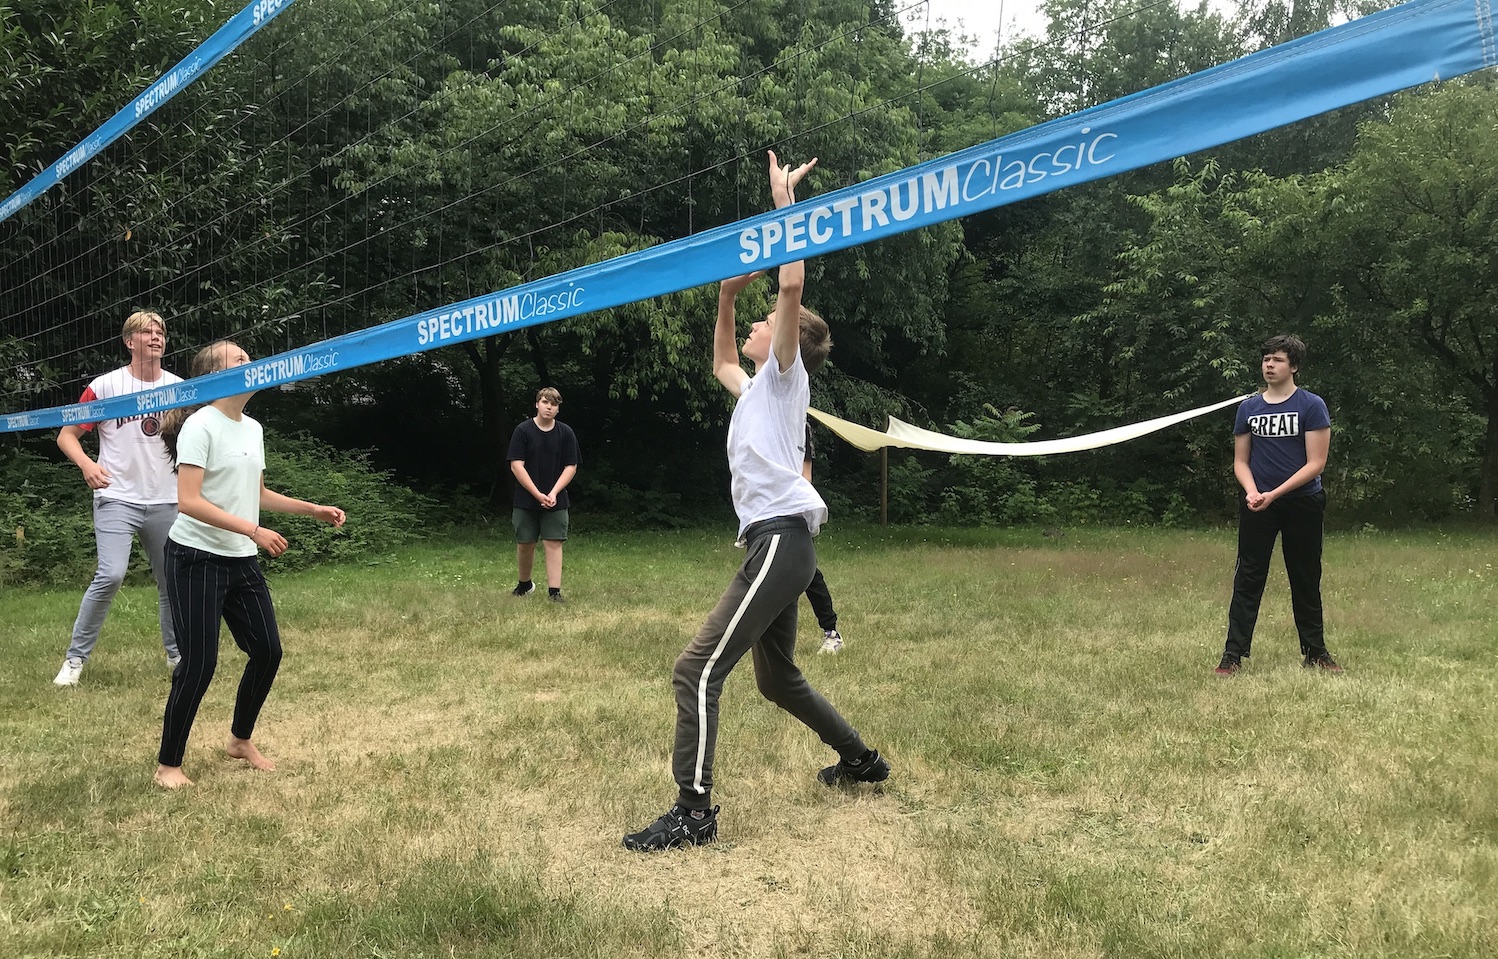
1416	43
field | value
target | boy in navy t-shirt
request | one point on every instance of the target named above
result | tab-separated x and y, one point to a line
1282	439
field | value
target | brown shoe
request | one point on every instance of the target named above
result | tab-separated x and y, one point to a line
1231	663
1322	661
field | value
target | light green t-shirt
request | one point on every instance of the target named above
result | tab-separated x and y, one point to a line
232	455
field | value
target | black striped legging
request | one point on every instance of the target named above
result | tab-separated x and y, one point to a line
203	588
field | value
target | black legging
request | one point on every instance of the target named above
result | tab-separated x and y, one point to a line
821	601
203	588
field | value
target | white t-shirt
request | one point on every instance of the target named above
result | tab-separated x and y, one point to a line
140	471
766	436
232	455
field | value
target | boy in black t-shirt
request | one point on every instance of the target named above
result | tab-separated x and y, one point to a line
543	457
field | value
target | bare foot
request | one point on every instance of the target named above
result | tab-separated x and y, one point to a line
171	777
244	749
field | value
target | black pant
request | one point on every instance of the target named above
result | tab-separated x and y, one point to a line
203	588
756	615
821	601
1299	519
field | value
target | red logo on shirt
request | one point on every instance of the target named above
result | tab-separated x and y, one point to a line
150	425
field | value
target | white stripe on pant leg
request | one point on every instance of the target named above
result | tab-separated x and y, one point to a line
707	671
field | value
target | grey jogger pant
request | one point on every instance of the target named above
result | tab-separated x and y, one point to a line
758	612
116	524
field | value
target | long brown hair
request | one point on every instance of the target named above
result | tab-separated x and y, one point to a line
210	359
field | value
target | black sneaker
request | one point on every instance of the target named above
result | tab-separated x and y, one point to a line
556	598
675	828
523	589
1231	663
1322	661
873	769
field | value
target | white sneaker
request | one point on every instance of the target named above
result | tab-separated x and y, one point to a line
832	641
68	675
171	663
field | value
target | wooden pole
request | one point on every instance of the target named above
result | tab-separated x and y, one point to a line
884	486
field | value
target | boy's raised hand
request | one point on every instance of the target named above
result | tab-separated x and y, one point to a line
783	180
735	285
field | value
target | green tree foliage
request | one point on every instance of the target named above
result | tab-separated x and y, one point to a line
173	217
1024	327
366	159
576	133
1382	264
65	67
63	70
1094	51
1418	202
1046	262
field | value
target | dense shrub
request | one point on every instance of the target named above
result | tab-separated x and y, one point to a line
607	502
48	523
47	514
911	488
381	513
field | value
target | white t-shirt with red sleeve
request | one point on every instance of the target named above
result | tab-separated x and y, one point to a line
131	448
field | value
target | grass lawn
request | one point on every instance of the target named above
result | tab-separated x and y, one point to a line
457	766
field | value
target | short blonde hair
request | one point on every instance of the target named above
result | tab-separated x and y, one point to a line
137	322
549	393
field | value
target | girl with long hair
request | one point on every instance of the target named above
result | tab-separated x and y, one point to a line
212	570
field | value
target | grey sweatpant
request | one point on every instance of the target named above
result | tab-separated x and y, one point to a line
757	612
116	524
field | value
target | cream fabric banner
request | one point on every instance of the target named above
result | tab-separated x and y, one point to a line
904	436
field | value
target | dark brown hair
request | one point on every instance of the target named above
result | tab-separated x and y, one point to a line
816	341
1289	344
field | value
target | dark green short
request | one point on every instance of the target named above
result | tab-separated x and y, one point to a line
533	524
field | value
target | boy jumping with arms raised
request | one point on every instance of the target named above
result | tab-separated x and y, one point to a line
779	513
